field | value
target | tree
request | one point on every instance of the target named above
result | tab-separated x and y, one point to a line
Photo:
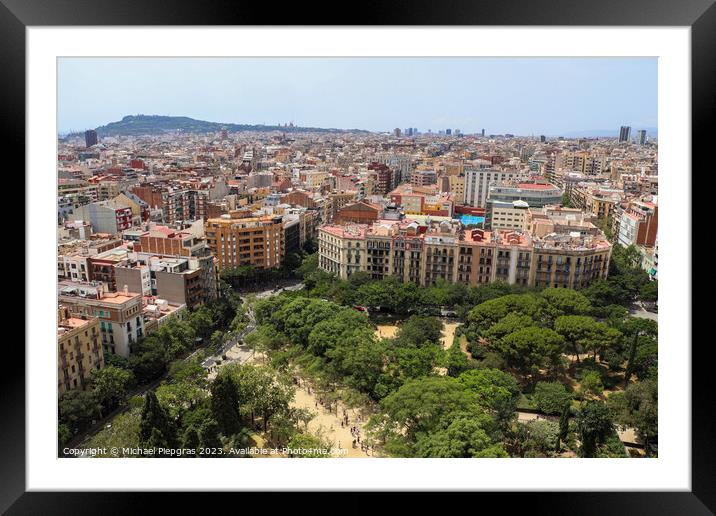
298	318
363	364
601	339
637	329
551	397
263	390
404	362
463	437
209	434
577	330
607	292
417	330
305	446
225	404
110	384
591	384
63	435
563	426
529	349
565	301
628	257
540	437
190	440
274	394
148	363
593	426
456	361
420	406
484	315
178	397
508	324
344	327
78	409
649	292
187	371
637	407
155	428
495	390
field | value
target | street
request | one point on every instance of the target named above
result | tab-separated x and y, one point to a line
638	310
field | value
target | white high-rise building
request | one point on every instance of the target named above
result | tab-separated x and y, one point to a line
477	184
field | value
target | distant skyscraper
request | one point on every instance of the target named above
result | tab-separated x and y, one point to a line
90	138
483	133
624	133
543	138
396	132
641	136
448	131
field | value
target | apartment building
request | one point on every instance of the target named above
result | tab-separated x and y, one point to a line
385	178
109	217
423	200
425	252
478	181
507	215
423	177
140	209
638	224
237	240
456	186
333	202
78	350
163	240
120	317
179	280
361	212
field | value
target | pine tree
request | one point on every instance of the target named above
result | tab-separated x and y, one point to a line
190	439
225	405
154	417
563	427
209	434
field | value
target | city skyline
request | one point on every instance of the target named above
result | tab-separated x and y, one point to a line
375	94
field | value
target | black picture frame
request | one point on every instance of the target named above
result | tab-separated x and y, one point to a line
700	15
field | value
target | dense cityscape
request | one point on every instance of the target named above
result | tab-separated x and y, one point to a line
279	290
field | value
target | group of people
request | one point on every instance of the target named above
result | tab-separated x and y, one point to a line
345	422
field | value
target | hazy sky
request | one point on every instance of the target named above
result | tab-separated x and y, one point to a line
524	96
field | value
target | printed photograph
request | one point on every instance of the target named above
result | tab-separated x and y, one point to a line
451	257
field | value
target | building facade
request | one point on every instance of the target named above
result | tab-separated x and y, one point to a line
239	241
79	350
120	317
424	253
478	181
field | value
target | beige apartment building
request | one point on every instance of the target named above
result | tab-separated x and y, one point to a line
507	215
121	322
567	257
78	350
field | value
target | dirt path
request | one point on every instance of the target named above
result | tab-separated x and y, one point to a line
448	333
386	331
327	424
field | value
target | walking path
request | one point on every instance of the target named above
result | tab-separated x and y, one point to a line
327	424
448	333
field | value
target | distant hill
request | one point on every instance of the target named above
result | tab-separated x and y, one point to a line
136	125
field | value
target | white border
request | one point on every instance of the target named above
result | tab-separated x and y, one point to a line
672	470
